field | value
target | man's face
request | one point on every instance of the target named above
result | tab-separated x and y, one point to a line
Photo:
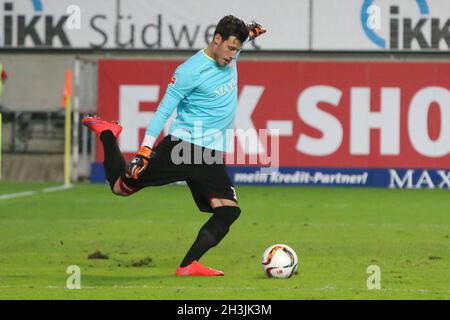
226	50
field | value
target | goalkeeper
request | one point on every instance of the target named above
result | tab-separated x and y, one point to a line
204	91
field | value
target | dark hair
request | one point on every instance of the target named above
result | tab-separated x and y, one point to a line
231	26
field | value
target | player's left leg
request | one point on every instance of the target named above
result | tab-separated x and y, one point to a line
209	236
212	193
218	202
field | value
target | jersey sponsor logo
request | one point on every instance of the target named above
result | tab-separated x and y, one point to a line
227	88
205	70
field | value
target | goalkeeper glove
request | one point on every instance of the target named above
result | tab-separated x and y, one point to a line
139	163
255	30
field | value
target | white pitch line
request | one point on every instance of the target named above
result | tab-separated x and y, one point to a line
57	188
17	195
32	193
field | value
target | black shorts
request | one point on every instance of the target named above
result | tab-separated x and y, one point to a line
175	160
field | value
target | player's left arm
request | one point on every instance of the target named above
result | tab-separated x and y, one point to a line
254	30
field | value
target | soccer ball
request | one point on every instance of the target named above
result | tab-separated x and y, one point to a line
279	261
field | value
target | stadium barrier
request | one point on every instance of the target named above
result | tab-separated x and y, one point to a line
338	123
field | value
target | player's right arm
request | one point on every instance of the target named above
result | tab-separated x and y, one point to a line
182	83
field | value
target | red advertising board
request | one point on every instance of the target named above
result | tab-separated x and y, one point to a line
330	114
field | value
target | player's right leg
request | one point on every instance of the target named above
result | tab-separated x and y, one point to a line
114	162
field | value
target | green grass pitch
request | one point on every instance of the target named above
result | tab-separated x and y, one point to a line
337	233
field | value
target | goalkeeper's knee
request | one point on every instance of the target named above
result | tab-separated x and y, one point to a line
119	188
219	224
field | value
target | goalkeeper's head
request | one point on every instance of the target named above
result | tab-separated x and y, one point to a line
229	36
230	26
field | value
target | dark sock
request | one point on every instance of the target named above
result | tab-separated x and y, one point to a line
212	232
114	162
